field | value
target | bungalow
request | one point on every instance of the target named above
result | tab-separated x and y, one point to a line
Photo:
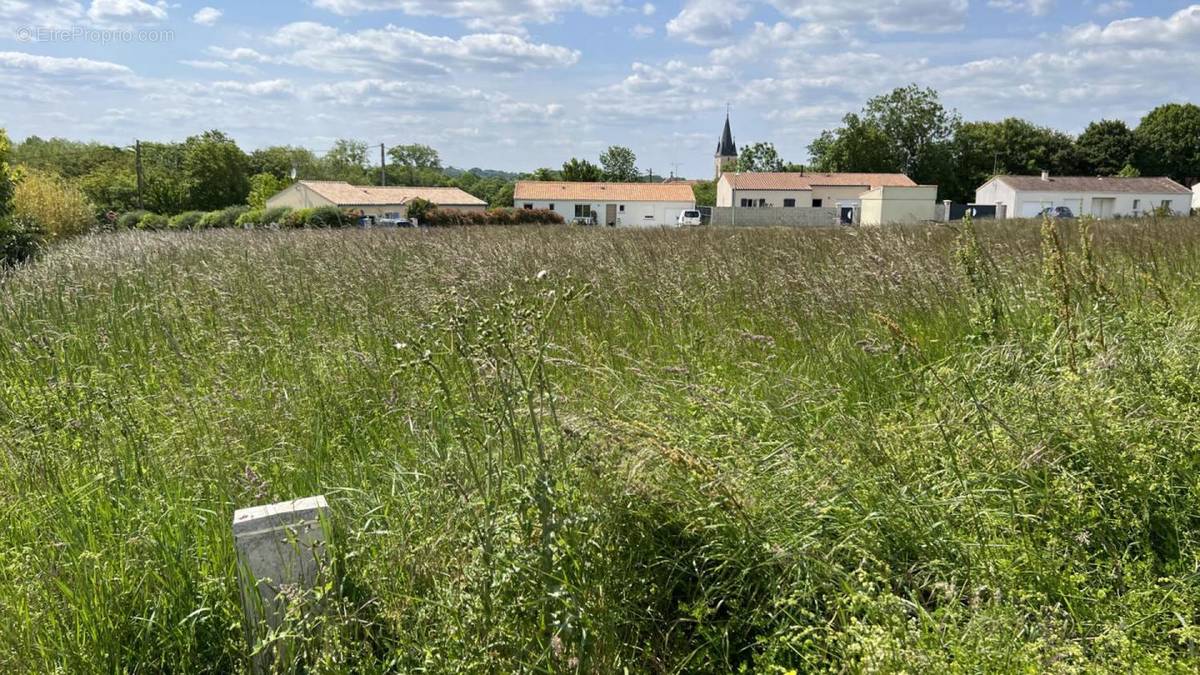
1100	196
848	192
612	204
371	201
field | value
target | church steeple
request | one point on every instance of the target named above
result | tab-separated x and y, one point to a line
727	154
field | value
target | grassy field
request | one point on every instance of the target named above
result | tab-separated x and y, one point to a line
558	450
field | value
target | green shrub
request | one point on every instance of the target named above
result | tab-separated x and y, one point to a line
130	220
153	221
209	221
327	216
296	219
189	220
251	218
276	215
419	209
19	241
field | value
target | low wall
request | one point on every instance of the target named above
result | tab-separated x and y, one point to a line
775	217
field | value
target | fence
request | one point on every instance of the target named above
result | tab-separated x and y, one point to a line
778	217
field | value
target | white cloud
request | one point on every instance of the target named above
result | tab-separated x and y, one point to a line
266	88
674	90
207	16
641	31
126	12
477	14
51	65
223	66
1032	7
1114	7
1179	28
243	54
708	22
915	16
395	48
649	9
39	13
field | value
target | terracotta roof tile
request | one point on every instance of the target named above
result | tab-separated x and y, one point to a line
806	181
345	194
528	190
1094	184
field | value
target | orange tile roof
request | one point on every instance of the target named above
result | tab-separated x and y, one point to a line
529	190
345	194
807	181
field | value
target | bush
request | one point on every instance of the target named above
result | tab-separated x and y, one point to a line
19	241
454	218
276	215
327	216
251	218
296	219
189	220
54	206
153	221
130	220
209	220
420	209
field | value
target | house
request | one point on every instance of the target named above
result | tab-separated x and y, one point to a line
612	204
1100	196
371	201
843	191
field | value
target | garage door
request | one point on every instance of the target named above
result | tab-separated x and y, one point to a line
1032	209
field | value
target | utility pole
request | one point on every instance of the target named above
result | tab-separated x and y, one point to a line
382	166
137	145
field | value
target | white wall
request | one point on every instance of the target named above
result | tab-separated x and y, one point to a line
636	214
1027	204
1196	197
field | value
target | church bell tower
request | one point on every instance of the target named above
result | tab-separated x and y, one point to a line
727	154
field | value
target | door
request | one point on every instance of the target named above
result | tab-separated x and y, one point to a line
1102	207
610	215
847	213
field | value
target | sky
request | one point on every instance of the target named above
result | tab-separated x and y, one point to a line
520	84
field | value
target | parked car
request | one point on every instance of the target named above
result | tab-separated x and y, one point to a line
394	220
690	217
1058	213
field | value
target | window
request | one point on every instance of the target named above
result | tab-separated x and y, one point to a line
762	203
552	207
621	208
789	203
747	203
583	210
818	203
529	207
1137	205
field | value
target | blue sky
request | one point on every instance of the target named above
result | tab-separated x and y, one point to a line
518	84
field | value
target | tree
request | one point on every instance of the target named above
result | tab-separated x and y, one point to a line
347	161
503	197
760	157
1169	142
8	177
544	174
263	186
581	171
279	160
216	171
1106	147
69	159
705	192
906	131
416	165
620	165
1010	146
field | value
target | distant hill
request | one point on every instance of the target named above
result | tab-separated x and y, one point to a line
455	172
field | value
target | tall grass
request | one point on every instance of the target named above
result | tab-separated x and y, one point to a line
560	450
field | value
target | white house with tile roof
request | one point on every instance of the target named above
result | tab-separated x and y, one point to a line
371	201
1099	196
612	204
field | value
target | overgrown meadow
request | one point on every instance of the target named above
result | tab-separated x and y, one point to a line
928	449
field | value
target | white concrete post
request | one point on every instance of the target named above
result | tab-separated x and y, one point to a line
281	550
946	215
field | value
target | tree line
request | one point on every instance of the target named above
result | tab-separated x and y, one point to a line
909	131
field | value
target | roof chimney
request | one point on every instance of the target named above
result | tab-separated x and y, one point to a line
1046	176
